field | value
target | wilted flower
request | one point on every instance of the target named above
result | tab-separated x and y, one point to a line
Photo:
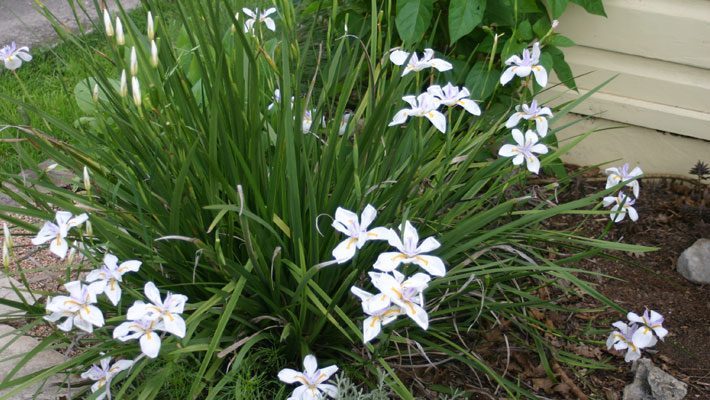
532	112
255	16
451	96
13	57
380	311
650	322
399	57
411	252
145	331
103	374
77	308
524	150
107	23
120	38
168	311
407	294
311	379
622	174
622	204
623	339
58	232
530	63
111	275
424	105
347	222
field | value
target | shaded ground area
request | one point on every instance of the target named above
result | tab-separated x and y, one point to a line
673	215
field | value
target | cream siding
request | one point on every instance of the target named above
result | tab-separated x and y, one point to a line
659	51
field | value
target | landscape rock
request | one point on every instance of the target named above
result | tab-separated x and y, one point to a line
7	292
652	383
60	176
694	262
13	347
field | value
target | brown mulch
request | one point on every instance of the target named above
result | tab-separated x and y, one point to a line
674	213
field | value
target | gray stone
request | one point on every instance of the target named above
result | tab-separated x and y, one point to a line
7	292
60	176
20	20
13	346
694	263
652	383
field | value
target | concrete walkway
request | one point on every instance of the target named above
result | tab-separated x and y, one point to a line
21	22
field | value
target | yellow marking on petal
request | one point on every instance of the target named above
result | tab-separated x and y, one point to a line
399	256
421	259
411	307
374	321
351	242
59	239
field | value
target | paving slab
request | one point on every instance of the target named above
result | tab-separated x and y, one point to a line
12	348
21	22
7	292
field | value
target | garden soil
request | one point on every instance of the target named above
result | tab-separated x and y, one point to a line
674	213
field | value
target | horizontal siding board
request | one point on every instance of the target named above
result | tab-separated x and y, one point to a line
654	151
669	30
641	78
632	111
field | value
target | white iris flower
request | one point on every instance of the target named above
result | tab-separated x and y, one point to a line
424	105
622	174
111	275
399	57
623	339
103	374
452	96
262	17
411	252
12	56
650	323
348	223
311	379
407	294
77	308
167	311
380	311
532	112
145	331
621	205
524	150
57	233
522	67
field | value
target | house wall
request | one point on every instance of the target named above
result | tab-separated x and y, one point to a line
659	51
